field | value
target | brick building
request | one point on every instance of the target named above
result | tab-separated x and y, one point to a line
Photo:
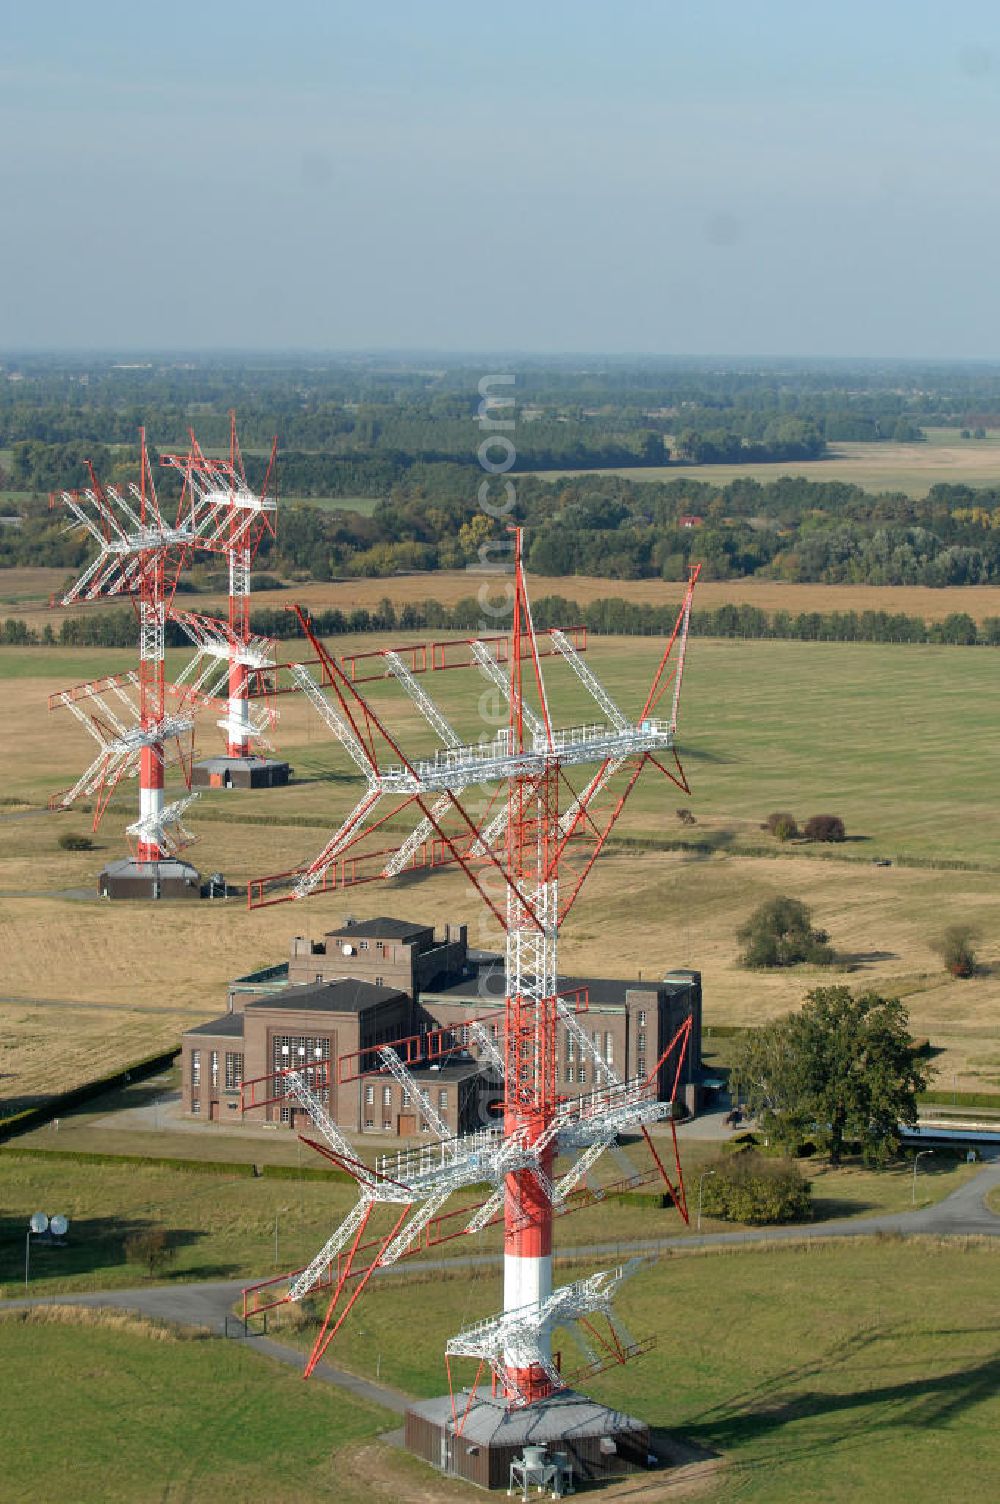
369	982
318	1024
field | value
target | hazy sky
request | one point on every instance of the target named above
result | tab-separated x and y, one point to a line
690	176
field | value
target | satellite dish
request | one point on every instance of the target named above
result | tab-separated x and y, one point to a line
39	1222
58	1225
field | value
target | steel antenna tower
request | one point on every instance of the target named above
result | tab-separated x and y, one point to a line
528	763
139	557
232	665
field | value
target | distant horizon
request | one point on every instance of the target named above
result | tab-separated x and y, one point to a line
140	356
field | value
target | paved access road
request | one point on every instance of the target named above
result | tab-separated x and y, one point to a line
962	1214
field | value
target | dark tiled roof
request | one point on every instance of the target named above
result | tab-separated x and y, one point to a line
228	1024
346	995
486	987
382	929
450	1070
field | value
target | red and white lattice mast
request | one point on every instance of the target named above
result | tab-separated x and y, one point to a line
558	792
232	666
140	556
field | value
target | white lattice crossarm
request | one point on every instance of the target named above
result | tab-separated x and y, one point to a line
404	854
519	1338
297	1086
497	761
430	712
317	1270
492	833
165	827
489	1056
89	703
592	684
601	778
585	1044
113	518
419	1097
314	874
332	719
493	671
415	1226
578	1170
216	639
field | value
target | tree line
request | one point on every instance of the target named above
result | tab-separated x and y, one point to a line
612	617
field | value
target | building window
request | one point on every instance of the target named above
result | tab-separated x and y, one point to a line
234	1070
195	1105
310	1055
386	1125
369	1122
425	1127
493	1033
642	1018
378	982
609	1048
195	1068
406	1097
641	1044
443	1099
570	1046
387	1096
362	944
286	1114
369	1094
319	976
569	1074
215	1070
581	1076
464	1034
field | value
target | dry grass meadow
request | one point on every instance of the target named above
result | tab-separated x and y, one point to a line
944	459
25	593
898	740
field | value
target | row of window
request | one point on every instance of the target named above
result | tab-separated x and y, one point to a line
233	1071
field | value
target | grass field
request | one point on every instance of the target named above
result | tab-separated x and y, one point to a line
830	1373
115	1409
222	1224
899	741
944	458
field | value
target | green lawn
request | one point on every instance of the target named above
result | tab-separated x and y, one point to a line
866	731
107	1414
222	1225
836	1373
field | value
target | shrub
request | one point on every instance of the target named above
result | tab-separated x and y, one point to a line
780	933
748	1188
685	816
782	824
957	951
72	840
150	1247
825	828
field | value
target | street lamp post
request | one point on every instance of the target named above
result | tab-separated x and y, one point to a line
916	1158
701	1186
